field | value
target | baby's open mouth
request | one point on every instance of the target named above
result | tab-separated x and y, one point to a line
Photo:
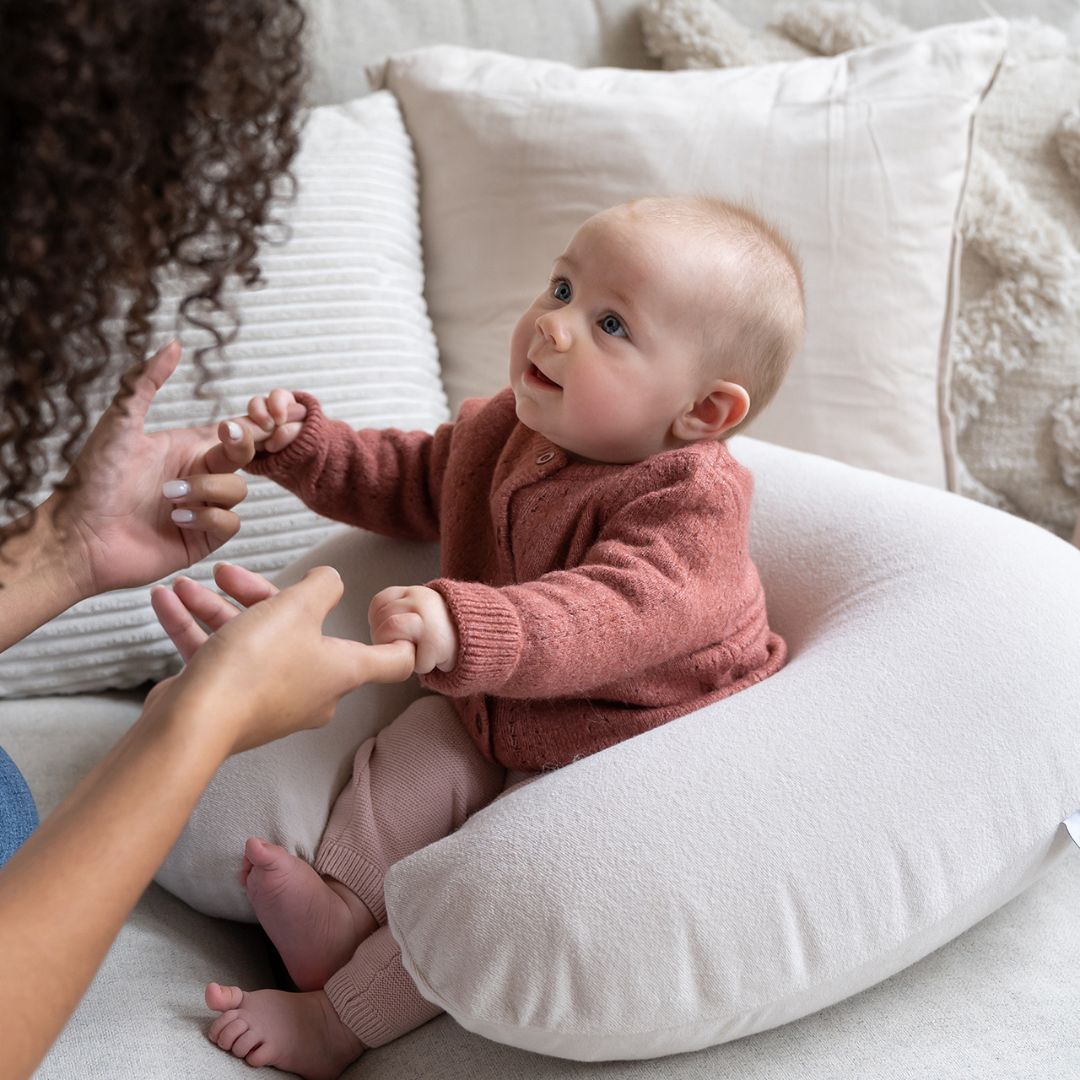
541	378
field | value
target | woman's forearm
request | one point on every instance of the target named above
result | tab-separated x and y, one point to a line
38	581
68	890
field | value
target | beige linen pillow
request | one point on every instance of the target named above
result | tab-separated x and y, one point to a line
342	314
861	159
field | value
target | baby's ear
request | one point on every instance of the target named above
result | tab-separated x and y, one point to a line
725	405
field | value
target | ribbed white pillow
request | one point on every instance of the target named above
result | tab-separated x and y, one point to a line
342	315
861	159
902	777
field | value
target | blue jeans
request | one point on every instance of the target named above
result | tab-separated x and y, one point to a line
18	815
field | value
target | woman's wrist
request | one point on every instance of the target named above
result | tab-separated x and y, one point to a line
63	554
176	710
40	575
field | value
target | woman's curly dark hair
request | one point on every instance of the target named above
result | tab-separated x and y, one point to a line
134	135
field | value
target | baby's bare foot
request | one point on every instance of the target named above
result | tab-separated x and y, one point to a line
314	926
298	1033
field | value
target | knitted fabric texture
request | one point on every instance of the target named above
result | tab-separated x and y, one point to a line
592	601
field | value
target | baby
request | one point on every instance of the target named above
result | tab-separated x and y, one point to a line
596	580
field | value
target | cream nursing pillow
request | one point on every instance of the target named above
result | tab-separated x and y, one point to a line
902	777
861	159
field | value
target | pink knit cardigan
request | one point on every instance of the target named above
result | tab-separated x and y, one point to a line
593	602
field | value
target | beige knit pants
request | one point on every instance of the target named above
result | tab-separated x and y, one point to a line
412	784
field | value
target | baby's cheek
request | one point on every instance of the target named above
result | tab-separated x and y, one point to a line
519	342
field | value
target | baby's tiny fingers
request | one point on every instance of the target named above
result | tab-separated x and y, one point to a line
278	403
219	524
259	413
282	437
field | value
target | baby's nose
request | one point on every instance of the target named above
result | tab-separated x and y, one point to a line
555	329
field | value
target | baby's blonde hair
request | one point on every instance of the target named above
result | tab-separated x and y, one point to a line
769	302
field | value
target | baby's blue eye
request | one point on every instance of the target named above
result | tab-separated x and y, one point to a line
562	291
612	324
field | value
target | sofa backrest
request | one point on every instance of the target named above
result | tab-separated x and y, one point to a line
347	34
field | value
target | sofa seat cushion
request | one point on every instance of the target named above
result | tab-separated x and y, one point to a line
996	1003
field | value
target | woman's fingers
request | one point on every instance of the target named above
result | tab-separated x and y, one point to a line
318	591
273	665
242	585
218	489
145	380
239	438
394	662
190	497
204	604
219	525
177	609
187	635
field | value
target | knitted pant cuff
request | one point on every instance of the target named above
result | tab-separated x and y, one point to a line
357	874
375	999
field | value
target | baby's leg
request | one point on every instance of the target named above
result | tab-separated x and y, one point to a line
315	924
415	782
410	788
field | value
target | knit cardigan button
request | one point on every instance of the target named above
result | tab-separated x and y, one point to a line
545	457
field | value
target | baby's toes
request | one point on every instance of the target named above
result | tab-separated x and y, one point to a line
219	998
260	1056
247	1042
229	1027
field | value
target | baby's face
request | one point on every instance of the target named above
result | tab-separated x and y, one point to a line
610	352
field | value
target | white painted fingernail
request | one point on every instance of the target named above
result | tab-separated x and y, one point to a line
236	433
175	489
183	517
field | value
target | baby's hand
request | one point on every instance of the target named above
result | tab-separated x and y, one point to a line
418	614
280	415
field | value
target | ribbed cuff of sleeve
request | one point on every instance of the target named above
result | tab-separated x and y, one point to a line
287	462
490	639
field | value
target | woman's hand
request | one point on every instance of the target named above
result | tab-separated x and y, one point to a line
118	527
268	671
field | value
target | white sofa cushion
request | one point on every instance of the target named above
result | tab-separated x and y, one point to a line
342	314
861	159
903	776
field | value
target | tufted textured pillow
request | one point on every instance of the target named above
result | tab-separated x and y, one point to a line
1011	387
902	777
342	314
